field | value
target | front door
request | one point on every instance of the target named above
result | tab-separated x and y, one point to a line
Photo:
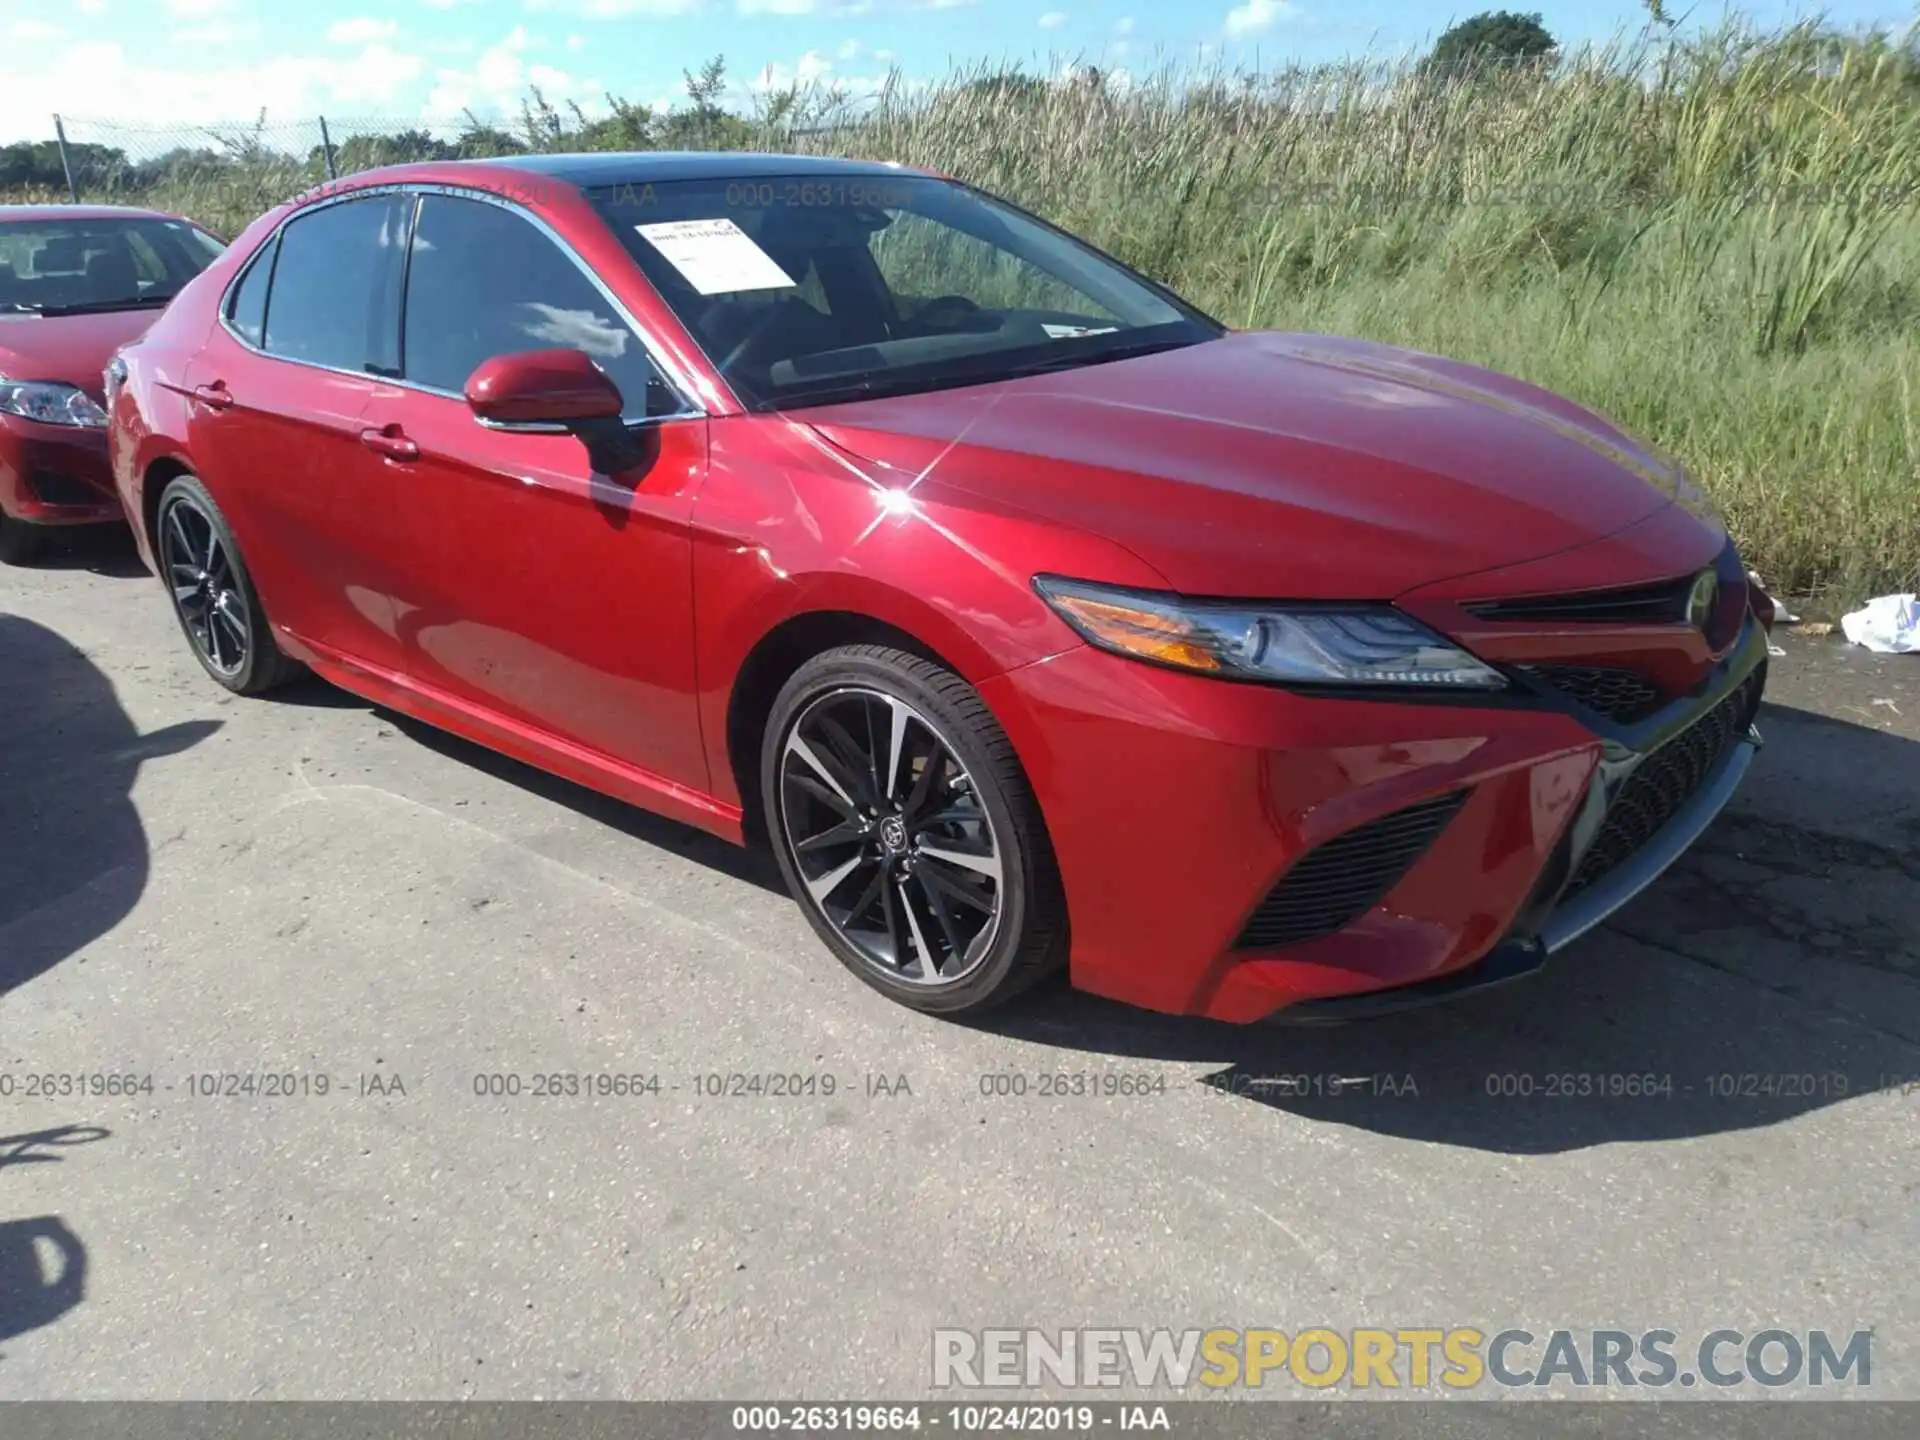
552	598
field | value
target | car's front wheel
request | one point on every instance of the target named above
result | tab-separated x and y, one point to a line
907	831
213	595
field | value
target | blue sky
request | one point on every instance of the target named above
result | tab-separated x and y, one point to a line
186	62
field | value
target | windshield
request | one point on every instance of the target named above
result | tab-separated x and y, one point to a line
61	266
810	290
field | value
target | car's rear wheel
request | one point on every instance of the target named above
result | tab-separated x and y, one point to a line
213	595
908	833
20	543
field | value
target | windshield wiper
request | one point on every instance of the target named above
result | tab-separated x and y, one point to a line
91	307
873	387
1081	358
881	386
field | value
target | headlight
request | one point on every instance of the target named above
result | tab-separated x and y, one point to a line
51	403
1299	645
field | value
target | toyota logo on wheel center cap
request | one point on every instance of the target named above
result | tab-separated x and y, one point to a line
893	833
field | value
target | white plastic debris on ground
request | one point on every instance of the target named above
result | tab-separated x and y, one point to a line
1781	614
1889	625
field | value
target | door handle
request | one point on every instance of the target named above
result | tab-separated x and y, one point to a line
214	396
391	442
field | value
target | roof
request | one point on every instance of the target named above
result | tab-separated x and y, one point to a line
635	167
81	212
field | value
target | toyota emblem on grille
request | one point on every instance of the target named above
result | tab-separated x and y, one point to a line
1702	599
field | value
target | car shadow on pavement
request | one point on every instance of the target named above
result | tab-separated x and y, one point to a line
754	865
102	549
73	853
43	1264
1775	970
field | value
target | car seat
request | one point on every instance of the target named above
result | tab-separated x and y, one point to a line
112	275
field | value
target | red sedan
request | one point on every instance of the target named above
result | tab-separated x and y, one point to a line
1032	617
76	283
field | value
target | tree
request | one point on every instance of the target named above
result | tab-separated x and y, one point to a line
36	163
1497	39
1008	87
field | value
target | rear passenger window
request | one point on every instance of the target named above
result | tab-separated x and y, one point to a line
484	282
336	286
247	309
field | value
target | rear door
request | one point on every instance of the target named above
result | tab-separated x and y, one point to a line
306	337
548	596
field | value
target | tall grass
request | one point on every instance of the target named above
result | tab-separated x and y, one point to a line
1716	243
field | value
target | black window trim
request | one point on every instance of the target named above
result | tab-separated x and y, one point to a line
675	377
268	255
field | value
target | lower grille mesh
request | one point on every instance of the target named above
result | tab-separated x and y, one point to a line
1665	781
53	488
1622	695
1334	884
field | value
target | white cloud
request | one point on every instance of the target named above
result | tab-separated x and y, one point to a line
28	32
215	34
372	79
576	42
360	30
197	9
885	57
1053	19
848	49
92	7
444	4
618	9
1123	26
1257	15
810	69
497	82
377	73
778	7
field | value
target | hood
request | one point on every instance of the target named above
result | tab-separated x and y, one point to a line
73	348
1280	466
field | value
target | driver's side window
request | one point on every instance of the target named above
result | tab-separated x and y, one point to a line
483	281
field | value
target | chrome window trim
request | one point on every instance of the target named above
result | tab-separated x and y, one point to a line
674	376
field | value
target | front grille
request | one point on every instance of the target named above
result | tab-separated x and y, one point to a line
53	488
1659	604
1622	695
1665	781
1334	884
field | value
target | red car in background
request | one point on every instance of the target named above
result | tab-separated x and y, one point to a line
76	283
1032	617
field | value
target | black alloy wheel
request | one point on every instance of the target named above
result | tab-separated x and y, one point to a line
213	596
907	832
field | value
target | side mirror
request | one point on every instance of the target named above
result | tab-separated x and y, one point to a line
548	388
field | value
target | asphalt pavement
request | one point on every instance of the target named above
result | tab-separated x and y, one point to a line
232	906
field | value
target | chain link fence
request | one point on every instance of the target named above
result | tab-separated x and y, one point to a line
225	174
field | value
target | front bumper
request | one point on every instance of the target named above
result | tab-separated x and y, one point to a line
55	474
1523	955
1175	803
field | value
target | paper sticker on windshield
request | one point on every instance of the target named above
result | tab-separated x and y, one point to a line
716	256
1069	332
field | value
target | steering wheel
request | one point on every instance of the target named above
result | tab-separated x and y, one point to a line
952	312
758	328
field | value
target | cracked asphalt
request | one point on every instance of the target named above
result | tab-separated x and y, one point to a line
195	887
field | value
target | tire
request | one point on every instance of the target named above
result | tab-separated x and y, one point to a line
20	543
212	594
936	821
